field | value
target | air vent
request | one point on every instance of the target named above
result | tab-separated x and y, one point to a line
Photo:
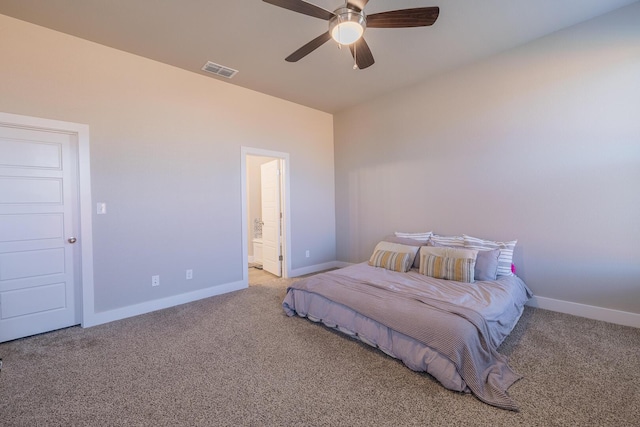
220	70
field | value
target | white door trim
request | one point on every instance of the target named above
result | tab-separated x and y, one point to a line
81	132
286	235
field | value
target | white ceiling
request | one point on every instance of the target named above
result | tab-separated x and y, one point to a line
254	37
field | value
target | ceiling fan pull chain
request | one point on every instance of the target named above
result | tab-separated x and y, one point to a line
355	56
339	32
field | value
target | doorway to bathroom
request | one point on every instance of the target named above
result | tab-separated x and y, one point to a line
265	213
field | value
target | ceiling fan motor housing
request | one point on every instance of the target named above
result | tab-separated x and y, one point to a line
347	26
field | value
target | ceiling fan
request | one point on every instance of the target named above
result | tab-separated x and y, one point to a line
348	22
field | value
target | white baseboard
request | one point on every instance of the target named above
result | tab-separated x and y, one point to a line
318	267
589	311
159	304
342	264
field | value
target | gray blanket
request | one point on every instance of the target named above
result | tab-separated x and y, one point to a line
443	315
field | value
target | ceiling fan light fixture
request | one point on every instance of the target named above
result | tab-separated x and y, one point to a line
347	26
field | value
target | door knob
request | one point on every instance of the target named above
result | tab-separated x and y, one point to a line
72	240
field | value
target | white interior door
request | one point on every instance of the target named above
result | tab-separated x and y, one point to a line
38	201
271	218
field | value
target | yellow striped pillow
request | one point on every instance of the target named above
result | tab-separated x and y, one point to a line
395	261
458	269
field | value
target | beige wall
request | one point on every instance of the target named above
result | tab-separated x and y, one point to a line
539	144
166	158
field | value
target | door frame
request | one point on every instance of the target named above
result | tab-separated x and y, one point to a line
285	201
84	261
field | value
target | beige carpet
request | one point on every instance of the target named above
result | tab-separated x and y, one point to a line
237	359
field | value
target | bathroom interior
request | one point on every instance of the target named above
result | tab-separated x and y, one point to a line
254	217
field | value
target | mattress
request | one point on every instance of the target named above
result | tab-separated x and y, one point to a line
448	329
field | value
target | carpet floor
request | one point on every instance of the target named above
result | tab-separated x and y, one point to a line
238	360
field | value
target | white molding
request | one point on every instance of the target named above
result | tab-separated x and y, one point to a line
342	264
317	267
589	311
160	304
81	131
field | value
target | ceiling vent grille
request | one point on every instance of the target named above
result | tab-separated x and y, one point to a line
219	70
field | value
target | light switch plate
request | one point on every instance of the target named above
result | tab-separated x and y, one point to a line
101	208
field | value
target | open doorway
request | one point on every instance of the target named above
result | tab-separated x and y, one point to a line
265	215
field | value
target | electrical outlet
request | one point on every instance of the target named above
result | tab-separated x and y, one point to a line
189	274
307	253
155	280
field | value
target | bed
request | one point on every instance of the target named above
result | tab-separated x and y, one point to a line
450	329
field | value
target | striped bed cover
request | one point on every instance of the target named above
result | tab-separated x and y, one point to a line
462	323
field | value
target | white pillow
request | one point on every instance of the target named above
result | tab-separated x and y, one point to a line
448	252
505	259
422	237
457	241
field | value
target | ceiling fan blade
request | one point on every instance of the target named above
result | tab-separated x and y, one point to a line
357	4
309	47
303	7
418	17
362	54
